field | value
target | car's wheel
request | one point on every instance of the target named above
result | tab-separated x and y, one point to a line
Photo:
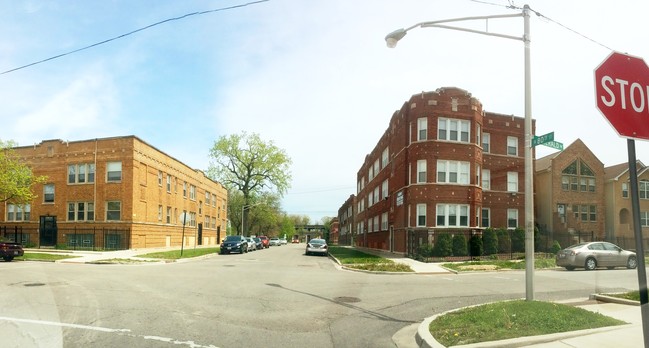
631	263
570	268
8	258
591	264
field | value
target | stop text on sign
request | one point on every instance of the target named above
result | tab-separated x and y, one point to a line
622	94
636	94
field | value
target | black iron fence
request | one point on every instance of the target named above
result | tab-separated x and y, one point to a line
93	238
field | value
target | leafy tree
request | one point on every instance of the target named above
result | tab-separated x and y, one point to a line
286	226
16	178
443	245
459	245
490	241
246	163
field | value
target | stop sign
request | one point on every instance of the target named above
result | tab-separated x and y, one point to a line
622	92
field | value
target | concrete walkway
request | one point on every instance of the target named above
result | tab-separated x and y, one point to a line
85	256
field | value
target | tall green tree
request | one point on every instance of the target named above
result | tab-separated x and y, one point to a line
16	178
246	163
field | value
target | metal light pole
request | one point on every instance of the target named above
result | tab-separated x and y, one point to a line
392	39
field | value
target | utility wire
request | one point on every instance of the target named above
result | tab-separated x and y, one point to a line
133	32
540	15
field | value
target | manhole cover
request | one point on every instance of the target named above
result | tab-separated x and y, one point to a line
34	284
228	265
347	299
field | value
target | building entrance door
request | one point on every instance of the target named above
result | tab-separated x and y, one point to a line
47	230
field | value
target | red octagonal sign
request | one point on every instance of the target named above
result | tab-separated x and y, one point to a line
622	92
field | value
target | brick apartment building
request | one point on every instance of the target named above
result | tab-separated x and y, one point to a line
569	197
115	193
442	165
346	220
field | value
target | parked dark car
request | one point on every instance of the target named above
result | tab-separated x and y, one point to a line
237	244
265	241
317	246
9	249
595	254
258	243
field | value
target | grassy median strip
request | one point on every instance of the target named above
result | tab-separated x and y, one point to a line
44	257
352	258
512	319
493	265
175	254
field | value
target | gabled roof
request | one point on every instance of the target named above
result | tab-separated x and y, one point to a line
614	172
545	163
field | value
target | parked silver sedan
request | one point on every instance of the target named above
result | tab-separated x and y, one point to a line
595	254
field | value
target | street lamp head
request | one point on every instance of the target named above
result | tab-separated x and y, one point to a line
394	37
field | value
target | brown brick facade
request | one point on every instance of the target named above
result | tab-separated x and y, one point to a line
435	161
148	192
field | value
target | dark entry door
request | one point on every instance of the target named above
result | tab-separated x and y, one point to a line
48	230
200	234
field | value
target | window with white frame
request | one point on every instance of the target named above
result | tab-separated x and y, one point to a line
625	190
477	175
384	189
160	176
377	226
452	215
48	193
168	183
512	146
370	199
385	157
486	218
453	172
81	211
512	218
422	128
370	173
384	221
16	212
113	211
192	192
81	173
377	167
644	218
421	171
168	215
208	198
113	171
486	179
512	181
421	215
159	212
453	130
376	194
478	133
486	142
185	189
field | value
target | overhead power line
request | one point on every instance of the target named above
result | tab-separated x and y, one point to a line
133	32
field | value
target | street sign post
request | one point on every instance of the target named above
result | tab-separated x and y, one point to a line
622	93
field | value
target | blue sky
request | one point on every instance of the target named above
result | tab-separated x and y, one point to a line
313	76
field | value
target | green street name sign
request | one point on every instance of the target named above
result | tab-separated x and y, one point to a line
554	144
542	139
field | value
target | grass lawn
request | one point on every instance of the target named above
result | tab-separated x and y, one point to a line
633	295
353	258
44	257
511	319
175	254
491	265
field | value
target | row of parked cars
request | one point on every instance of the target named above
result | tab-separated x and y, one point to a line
241	244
